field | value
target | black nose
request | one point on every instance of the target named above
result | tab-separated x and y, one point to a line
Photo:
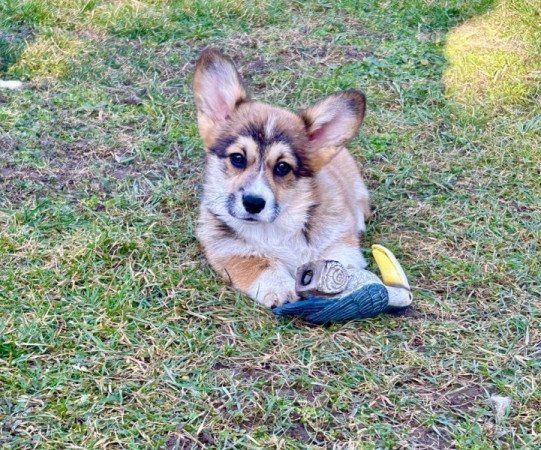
253	204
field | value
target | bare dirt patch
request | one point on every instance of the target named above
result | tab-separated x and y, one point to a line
79	168
428	438
180	439
464	399
299	432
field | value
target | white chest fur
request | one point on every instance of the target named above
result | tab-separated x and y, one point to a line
290	247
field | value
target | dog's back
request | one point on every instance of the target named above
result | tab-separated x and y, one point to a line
346	177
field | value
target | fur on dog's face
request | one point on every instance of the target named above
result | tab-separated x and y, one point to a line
261	159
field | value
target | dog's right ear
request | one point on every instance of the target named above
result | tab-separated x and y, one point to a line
218	91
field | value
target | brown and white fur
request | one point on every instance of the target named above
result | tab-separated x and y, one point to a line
280	189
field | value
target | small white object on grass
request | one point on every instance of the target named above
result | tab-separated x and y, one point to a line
11	84
501	406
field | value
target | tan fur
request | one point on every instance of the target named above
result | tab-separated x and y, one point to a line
313	211
350	239
244	270
213	68
330	110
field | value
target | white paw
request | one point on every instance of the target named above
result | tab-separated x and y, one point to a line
274	288
273	299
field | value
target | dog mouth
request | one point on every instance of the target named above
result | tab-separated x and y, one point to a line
249	218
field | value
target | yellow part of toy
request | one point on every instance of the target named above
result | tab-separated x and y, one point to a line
392	273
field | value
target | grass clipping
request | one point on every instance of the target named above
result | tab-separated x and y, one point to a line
496	58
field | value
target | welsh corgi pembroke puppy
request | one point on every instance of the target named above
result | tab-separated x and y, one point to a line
280	189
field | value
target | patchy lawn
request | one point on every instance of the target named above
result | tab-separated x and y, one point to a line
114	333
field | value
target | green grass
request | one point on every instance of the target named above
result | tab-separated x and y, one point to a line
497	57
113	330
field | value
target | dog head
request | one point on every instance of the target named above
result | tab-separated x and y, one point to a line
260	158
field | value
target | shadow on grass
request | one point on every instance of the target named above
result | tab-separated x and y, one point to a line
27	21
12	45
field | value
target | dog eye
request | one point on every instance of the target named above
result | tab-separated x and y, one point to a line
238	160
282	169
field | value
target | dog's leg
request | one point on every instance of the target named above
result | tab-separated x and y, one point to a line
274	287
269	283
362	212
347	252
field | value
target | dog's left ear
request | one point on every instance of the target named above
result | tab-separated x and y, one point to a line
332	123
218	91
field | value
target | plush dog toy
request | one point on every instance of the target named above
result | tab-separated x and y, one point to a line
331	292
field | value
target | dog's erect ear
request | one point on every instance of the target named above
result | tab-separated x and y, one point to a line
218	91
331	123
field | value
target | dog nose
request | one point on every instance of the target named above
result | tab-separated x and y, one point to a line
253	204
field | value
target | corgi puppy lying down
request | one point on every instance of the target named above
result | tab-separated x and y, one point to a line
280	189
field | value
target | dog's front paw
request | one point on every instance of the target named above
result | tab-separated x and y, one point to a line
273	299
274	288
